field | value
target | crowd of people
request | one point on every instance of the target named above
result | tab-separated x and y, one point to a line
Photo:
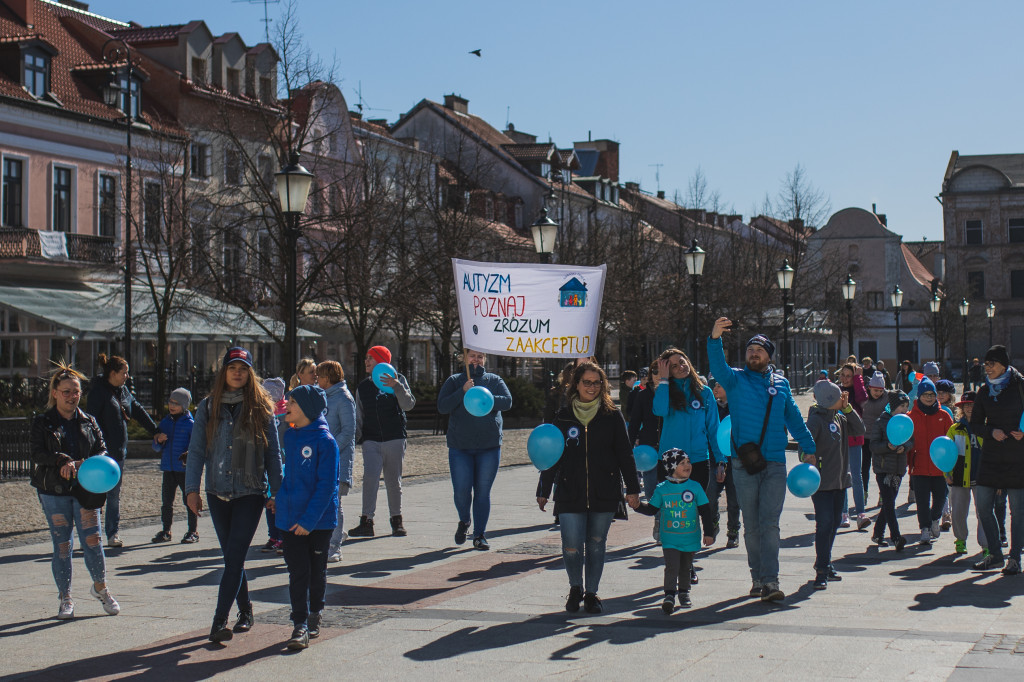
260	449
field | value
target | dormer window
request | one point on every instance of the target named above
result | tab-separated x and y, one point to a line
234	81
125	94
36	68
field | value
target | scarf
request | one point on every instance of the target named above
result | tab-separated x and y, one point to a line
585	412
925	409
246	453
995	386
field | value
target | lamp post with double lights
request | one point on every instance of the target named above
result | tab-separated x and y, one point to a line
849	291
785	278
896	297
544	232
695	264
990	312
965	307
122	94
293	183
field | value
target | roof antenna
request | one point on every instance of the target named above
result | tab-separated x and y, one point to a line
266	16
657	173
508	110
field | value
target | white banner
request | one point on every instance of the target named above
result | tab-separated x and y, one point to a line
528	310
53	244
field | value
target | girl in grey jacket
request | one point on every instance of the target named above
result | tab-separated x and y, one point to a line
890	464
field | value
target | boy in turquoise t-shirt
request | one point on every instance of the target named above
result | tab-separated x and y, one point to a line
680	501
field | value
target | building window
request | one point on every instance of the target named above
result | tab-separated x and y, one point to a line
199	160
266	167
1016	230
108	205
232	167
198	70
131	100
151	208
266	90
13	193
234	81
62	199
973	231
876	301
1016	283
518	211
976	285
545	169
37	72
489	208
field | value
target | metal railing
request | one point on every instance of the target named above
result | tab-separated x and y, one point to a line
23	242
15	452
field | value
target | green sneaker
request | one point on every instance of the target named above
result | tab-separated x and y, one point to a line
960	547
984	551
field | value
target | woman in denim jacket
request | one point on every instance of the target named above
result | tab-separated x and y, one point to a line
235	441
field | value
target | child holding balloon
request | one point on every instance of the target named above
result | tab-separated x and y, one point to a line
928	481
680	500
832	421
889	462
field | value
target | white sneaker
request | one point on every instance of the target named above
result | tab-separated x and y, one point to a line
334	557
66	610
845	522
934	530
926	537
110	605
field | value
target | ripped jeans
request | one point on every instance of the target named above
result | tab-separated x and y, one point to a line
62	512
584	538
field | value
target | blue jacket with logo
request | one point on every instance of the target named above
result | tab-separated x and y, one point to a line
179	434
309	492
692	429
748	401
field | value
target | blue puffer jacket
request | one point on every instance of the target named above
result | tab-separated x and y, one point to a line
748	400
692	429
341	419
179	434
309	492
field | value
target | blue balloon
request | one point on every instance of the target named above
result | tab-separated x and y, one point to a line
1020	427
900	429
944	453
99	474
379	369
478	401
725	436
803	480
545	446
646	457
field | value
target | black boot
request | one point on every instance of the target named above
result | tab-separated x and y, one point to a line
220	632
363	530
397	529
245	621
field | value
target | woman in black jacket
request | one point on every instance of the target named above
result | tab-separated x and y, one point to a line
996	420
113	405
589	475
61	439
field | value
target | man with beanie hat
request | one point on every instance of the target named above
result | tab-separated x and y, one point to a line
306	508
380	427
762	409
171	441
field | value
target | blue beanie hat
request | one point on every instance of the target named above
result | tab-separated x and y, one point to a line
925	386
764	342
311	399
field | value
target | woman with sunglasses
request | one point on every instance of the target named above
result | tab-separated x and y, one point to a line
596	460
62	438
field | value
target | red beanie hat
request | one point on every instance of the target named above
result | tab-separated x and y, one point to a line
380	354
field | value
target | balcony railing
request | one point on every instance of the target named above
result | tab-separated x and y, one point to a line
23	242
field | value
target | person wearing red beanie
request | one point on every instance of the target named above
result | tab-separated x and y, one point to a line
379	354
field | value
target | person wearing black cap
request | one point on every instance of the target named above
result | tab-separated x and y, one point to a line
234	441
762	410
996	419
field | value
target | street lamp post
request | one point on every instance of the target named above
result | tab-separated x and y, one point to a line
114	52
849	291
965	307
293	183
544	232
935	305
990	311
695	264
785	278
897	302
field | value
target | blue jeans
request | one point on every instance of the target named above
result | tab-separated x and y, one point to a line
714	492
236	522
828	514
63	513
114	504
584	537
473	473
761	497
856	453
985	499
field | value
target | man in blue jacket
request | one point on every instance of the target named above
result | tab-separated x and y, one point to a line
762	409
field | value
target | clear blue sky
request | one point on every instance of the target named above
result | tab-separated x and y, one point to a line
870	97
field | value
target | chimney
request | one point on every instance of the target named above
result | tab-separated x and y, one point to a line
357	115
661	194
456	103
632	186
881	219
382	122
24	10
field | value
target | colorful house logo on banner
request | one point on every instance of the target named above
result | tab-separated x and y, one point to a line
573	294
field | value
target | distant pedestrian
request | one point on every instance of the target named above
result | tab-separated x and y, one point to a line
851	381
172	444
341	419
871	409
276	389
976	375
61	439
715	487
644	428
880	367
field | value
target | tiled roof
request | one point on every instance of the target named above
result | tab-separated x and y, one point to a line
531	152
138	35
100	22
371	127
917	269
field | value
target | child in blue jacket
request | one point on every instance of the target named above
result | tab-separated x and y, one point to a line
306	508
172	439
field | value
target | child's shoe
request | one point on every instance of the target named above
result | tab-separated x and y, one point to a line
684	600
900	543
833	577
934	530
960	547
1012	567
947	522
820	581
693	576
879	541
732	541
299	639
190	538
668	605
845	523
313	624
926	537
162	536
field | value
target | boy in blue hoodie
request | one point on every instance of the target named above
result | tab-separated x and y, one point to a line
172	439
306	508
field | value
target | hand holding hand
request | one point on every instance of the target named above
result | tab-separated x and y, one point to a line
722	325
633	501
